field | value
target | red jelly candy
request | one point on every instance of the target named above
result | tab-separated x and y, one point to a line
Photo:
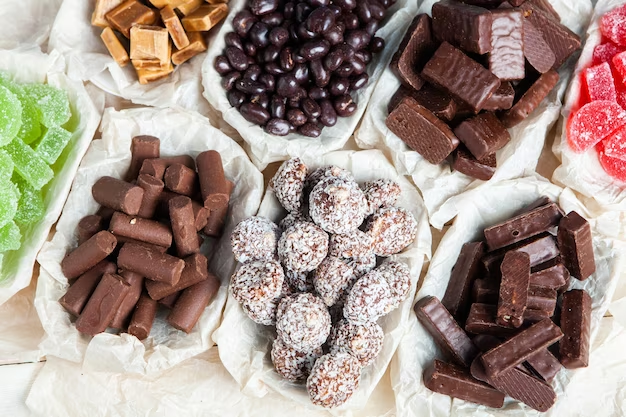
605	53
613	25
615	167
600	84
594	122
619	63
615	144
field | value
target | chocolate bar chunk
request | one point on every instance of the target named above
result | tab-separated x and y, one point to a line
552	275
485	342
540	298
544	364
450	380
481	169
531	99
422	131
445	330
441	104
534	316
101	307
457	297
502	99
462	77
463	25
482	134
576	246
545	6
523	226
513	289
536	49
506	59
540	248
520	347
486	291
576	325
526	388
482	320
413	53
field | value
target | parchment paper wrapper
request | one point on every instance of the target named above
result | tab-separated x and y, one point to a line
519	157
264	148
244	345
180	132
583	172
483	207
32	66
26	22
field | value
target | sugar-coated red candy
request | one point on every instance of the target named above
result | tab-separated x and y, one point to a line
605	53
621	95
619	63
615	167
600	83
615	145
594	122
613	25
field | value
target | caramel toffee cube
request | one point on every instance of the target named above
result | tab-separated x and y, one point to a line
148	75
189	7
174	27
115	47
197	45
102	8
150	42
129	14
168	3
205	17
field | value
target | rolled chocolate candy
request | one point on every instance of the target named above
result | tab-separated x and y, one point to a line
520	347
576	325
149	231
195	271
486	291
183	226
214	186
152	187
482	320
105	213
150	263
79	292
142	148
502	98
124	312
540	248
191	304
450	380
414	51
513	297
156	167
467	267
481	169
445	331
170	300
118	195
122	240
482	134
87	255
551	274
576	245
536	50
530	100
544	364
89	226
103	304
463	25
540	298
216	220
143	317
181	180
200	215
506	57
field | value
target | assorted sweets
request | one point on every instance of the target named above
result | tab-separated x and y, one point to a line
156	35
317	276
473	70
142	248
292	66
498	321
32	138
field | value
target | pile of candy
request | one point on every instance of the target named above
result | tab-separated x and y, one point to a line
316	276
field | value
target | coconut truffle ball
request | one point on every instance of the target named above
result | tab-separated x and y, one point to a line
299	281
264	312
363	341
381	193
255	238
337	205
293	218
288	184
303	247
292	364
331	279
363	265
257	281
328	171
334	379
304	322
354	244
398	276
369	299
392	229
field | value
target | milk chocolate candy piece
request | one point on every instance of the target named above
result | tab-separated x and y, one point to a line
157	167
482	134
467	267
445	331
502	99
150	263
197	45
149	231
124	312
205	17
481	169
143	317
115	47
536	49
191	304
576	324
506	59
450	380
482	320
184	226
101	8
129	14
122	240
195	271
523	226
216	219
174	27
170	300
574	237
513	289
486	291
520	347
152	187
553	276
531	99
118	195
465	79
102	305
540	248
79	292
181	180
416	48
200	215
89	226
439	103
142	148
463	25
213	184
485	342
544	364
422	131
540	298
87	255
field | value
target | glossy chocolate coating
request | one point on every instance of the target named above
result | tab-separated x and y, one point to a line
531	99
486	291
466	269
526	388
540	298
576	245
482	134
463	25
536	50
439	103
467	164
482	320
502	98
513	296
540	248
544	364
506	58
576	325
554	276
415	50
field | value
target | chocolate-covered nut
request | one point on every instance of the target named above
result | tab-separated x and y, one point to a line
320	20
301	73
261	99
339	86
311	130
289	10
296	117
358	39
279	36
334	35
250	49
377	10
364	56
278	107
254	113
271	53
298	59
278	127
359	81
319	3
273	19
328	116
237	58
302	12
274	69
320	74
304	33
310	108
358	66
372	27
229	80
287	85
334	59
232	39
261	7
222	66
344	106
346	4
351	21
286	59
345	70
236	98
318	93
248	86
259	35
363	11
268	81
315	49
243	22
377	44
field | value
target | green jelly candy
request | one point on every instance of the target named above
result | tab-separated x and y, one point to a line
10	115
53	104
10	237
52	144
31	122
9	197
30	207
28	164
6	165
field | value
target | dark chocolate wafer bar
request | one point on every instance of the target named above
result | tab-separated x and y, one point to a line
482	320
526	388
440	103
502	98
506	59
551	275
466	269
482	134
536	50
463	25
531	99
540	248
513	289
576	325
481	169
415	50
576	245
540	298
486	291
544	364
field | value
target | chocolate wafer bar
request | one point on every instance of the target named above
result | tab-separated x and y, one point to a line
463	25
415	50
531	99
482	134
576	244
576	325
506	58
513	289
465	271
481	169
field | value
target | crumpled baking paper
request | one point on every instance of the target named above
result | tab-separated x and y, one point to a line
482	207
244	345
26	22
519	157
583	172
264	148
180	132
32	66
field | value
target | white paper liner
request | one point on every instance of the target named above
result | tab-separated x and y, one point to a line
26	23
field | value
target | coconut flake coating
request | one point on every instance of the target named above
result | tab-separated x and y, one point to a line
369	299
255	238
303	247
381	193
331	279
264	312
291	364
328	171
392	229
304	322
337	206
299	281
354	244
291	219
398	276
288	184
363	341
334	379
362	266
257	281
